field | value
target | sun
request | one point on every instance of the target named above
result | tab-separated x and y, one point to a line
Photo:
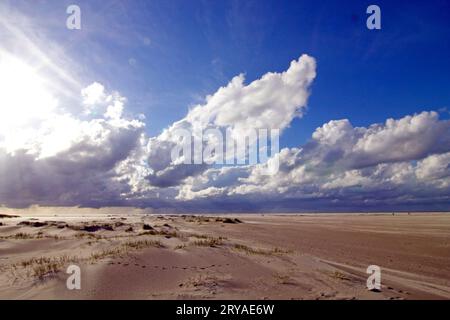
24	96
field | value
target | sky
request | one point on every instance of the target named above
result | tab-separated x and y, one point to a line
89	117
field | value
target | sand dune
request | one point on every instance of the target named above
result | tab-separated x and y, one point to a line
144	256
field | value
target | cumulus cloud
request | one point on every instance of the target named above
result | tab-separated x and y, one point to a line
63	159
403	161
93	94
270	102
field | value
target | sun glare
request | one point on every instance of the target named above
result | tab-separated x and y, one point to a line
23	96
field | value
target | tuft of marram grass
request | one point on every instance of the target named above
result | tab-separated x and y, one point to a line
250	250
181	246
125	248
165	233
22	235
28	236
44	266
210	242
140	244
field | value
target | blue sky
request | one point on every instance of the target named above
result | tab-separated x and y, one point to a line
185	50
162	59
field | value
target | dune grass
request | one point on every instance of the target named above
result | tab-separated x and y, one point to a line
258	251
209	242
44	266
28	236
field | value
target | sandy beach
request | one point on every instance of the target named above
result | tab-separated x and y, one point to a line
136	255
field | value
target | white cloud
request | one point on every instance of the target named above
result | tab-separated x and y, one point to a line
63	159
115	110
270	102
93	94
435	169
409	138
343	164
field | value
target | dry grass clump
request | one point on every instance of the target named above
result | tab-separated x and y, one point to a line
165	233
198	219
19	235
112	252
27	236
199	236
84	235
277	250
205	236
204	241
250	250
203	219
339	275
44	266
210	242
124	248
140	244
284	279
